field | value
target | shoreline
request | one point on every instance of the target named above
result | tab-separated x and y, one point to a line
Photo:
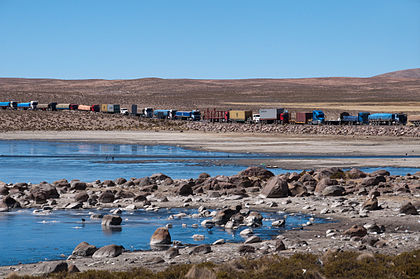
297	145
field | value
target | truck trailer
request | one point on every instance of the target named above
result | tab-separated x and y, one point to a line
240	116
213	115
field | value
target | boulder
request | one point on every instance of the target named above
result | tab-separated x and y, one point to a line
222	216
109	251
120	181
3	206
159	177
107	197
185	190
144	181
42	192
111	220
333	191
256	172
409	209
200	249
78	186
161	237
62	183
254	219
108	183
253	239
46	268
371	204
355	174
246	249
4	191
203	175
279	246
241	181
297	189
373	180
84	249
332	172
81	197
294	176
11	202
276	188
200	272
72	269
380	172
356	230
324	183
172	252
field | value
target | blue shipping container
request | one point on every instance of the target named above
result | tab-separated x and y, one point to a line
381	117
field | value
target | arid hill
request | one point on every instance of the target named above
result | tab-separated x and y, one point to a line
411	73
331	92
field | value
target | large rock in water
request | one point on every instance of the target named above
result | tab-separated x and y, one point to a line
84	249
109	251
111	220
276	188
161	237
256	172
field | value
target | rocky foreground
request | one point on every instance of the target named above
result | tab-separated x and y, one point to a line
374	212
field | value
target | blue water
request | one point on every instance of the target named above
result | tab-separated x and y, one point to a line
30	238
36	161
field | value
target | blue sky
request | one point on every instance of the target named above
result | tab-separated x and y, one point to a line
207	38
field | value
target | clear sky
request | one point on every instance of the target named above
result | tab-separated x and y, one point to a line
207	38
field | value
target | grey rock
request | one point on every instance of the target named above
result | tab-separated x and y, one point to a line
111	220
84	249
109	251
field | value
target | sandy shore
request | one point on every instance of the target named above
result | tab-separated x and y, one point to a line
389	151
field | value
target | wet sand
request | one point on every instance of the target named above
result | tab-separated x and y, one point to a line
405	152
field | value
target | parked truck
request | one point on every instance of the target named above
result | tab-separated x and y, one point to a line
42	107
84	107
110	108
273	115
303	117
240	116
4	105
414	120
194	115
164	113
214	115
62	106
28	105
387	119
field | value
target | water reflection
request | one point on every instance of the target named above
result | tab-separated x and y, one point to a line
110	230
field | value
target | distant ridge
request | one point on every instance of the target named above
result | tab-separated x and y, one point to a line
410	73
396	87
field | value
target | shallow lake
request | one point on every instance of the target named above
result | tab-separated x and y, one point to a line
36	161
27	237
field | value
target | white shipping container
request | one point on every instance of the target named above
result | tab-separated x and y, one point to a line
270	114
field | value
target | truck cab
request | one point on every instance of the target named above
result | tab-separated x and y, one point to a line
256	117
318	117
124	111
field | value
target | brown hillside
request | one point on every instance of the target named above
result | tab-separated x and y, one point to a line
410	73
195	93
